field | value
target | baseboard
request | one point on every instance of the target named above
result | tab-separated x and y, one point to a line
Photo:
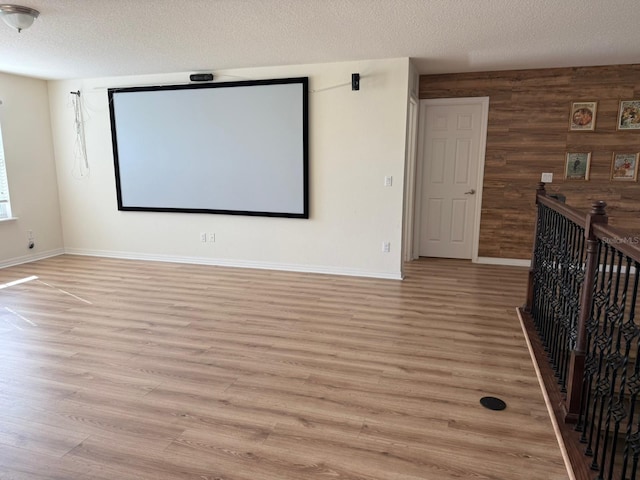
511	262
220	262
31	258
516	262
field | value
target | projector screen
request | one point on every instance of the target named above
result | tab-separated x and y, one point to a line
237	148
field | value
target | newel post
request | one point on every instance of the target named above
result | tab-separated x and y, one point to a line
540	192
597	214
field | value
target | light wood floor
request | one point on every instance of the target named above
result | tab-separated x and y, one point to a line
117	370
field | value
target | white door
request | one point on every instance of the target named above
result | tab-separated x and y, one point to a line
453	140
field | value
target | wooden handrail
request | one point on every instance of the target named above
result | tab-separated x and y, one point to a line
623	241
573	214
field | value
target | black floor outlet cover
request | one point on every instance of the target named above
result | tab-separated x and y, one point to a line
493	403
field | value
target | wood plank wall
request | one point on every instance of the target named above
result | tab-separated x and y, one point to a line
528	133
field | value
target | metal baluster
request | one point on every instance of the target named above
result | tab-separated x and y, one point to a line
615	313
586	385
553	318
599	298
534	268
556	334
590	363
551	282
547	279
573	281
628	331
563	312
604	345
582	359
566	293
634	381
538	275
577	279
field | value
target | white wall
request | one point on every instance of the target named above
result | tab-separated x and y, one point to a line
356	138
26	134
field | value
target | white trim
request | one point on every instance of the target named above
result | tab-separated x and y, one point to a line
512	262
220	262
547	401
410	180
482	150
517	262
31	258
623	269
484	101
10	219
417	192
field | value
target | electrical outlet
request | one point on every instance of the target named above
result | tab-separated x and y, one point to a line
388	181
30	234
386	247
212	238
203	237
547	178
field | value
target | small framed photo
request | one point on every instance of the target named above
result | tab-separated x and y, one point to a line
629	115
583	116
577	166
624	167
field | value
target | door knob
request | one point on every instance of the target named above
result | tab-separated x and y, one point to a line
470	192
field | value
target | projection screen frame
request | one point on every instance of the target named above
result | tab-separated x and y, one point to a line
303	81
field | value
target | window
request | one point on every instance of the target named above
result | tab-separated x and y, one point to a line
5	206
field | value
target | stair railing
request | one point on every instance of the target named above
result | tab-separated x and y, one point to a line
582	299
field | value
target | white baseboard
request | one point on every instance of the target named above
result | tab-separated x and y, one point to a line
516	262
220	262
31	258
511	262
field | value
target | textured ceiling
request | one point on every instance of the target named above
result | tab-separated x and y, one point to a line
92	38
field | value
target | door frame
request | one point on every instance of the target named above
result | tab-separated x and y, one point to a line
410	179
484	120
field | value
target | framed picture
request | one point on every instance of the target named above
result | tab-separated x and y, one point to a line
577	166
583	116
629	115
624	167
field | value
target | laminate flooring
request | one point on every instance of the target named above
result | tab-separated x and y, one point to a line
121	369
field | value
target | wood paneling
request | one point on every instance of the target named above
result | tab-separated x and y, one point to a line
116	369
528	134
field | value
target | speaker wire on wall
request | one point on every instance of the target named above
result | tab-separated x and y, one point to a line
81	161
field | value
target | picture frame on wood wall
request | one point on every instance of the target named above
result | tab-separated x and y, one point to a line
583	116
629	115
577	166
624	167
